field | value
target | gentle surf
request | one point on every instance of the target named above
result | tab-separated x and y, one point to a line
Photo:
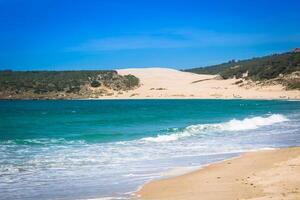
108	149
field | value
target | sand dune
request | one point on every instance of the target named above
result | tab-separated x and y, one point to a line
171	83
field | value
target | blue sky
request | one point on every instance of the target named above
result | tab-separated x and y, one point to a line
107	34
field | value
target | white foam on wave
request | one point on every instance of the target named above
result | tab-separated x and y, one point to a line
42	141
107	198
178	171
232	125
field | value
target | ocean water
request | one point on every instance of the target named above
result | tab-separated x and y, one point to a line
107	149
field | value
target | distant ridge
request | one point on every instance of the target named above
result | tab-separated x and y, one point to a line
284	67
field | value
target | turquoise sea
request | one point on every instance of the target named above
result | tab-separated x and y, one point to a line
107	149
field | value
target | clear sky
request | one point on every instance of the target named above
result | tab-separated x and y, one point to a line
106	34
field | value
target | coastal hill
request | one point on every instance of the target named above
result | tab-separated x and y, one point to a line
277	68
271	77
63	84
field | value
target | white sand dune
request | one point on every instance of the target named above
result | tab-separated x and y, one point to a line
171	83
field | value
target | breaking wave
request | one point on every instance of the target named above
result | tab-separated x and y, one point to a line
232	125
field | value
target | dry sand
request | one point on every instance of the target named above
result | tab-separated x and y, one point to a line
263	175
171	83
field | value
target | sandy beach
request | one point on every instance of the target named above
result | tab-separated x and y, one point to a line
268	174
174	84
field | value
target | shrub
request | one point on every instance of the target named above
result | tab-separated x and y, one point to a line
131	81
95	84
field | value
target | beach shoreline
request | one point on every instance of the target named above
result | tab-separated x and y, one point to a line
172	98
256	175
159	139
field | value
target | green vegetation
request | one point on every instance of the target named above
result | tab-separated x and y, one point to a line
131	81
36	83
259	69
95	83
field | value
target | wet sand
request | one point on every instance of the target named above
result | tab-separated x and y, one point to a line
262	175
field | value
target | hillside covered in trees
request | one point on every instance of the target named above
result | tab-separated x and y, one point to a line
63	84
283	68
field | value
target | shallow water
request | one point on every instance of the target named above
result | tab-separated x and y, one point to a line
91	149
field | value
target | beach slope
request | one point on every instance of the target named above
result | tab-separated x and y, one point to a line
269	174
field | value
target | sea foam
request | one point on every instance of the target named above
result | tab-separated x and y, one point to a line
232	125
